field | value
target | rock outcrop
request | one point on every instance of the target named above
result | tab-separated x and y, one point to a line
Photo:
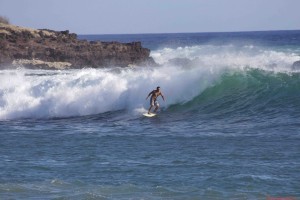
49	49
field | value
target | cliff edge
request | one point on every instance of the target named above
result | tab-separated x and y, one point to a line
48	49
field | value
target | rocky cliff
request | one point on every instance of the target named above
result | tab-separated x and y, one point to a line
49	49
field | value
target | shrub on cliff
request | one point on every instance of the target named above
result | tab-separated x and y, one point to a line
4	20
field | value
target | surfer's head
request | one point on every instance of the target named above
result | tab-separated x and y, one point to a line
158	88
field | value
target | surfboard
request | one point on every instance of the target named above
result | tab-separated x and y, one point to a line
149	115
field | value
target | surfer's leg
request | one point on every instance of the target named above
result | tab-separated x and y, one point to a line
149	109
156	108
151	104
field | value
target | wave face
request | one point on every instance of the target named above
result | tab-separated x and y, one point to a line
251	92
214	78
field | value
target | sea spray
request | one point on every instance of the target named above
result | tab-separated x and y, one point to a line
231	56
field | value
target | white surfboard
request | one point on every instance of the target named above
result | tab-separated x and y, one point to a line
149	115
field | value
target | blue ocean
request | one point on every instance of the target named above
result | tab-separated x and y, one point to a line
229	127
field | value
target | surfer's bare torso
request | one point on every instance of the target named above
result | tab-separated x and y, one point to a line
155	94
153	99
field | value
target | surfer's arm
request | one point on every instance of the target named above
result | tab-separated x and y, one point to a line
162	96
149	95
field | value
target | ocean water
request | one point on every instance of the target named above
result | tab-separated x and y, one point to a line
229	128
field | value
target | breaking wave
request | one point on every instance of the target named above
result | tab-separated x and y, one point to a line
188	75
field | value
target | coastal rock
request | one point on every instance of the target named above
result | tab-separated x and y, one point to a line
48	49
296	65
39	64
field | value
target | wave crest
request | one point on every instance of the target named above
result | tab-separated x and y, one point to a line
231	56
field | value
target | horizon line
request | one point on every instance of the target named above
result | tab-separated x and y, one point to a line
153	33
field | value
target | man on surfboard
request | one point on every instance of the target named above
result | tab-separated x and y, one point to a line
153	100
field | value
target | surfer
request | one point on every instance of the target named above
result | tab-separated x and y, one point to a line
153	100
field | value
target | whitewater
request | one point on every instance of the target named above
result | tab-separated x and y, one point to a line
228	128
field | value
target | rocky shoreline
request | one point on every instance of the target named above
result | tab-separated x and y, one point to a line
48	49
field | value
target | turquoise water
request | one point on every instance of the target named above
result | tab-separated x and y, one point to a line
229	128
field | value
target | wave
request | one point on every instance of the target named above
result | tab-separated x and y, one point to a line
198	77
249	92
39	94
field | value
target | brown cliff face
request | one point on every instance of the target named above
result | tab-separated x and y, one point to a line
45	49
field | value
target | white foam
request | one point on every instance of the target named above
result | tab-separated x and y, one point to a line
91	91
